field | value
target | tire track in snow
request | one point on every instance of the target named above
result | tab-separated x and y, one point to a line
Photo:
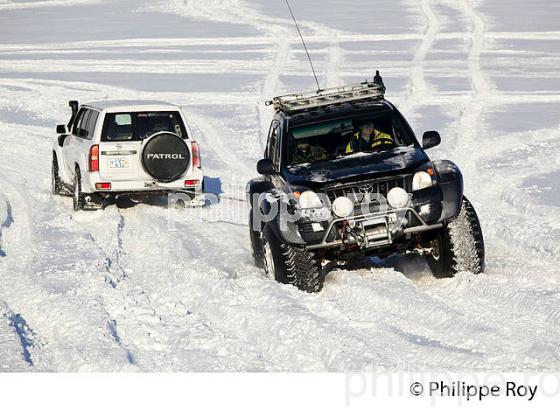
112	327
18	240
520	318
6	213
334	60
144	320
116	272
419	86
511	302
153	43
471	108
166	277
31	291
215	141
480	85
26	337
271	84
418	90
141	320
280	31
501	210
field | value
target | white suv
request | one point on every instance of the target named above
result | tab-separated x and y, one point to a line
131	148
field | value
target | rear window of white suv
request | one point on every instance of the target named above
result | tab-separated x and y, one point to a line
136	126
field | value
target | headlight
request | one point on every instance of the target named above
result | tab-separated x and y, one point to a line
343	207
397	198
309	199
421	180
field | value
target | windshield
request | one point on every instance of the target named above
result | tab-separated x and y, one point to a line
337	138
136	126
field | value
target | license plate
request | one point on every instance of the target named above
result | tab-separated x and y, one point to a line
118	163
151	185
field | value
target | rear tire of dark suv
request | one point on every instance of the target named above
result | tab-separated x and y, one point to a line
291	264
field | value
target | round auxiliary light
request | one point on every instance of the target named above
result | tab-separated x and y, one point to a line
397	198
343	207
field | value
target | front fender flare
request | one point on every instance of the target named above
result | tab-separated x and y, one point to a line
283	227
451	184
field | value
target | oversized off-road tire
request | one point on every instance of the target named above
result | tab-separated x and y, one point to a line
290	264
458	246
256	243
78	199
57	187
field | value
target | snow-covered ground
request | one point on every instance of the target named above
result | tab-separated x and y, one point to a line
119	290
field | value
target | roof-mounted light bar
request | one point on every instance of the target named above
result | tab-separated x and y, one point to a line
351	93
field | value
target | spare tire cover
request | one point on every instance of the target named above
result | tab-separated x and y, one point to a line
165	156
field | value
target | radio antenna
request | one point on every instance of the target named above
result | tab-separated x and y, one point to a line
305	47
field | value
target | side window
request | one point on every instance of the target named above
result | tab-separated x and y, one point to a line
272	141
78	121
83	125
91	124
277	147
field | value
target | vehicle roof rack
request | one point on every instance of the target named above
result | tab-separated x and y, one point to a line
367	90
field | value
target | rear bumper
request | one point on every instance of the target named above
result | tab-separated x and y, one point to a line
144	186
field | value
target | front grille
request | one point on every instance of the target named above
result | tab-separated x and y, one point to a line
359	192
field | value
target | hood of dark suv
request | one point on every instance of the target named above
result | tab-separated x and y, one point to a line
356	167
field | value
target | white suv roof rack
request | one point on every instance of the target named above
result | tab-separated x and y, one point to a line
350	93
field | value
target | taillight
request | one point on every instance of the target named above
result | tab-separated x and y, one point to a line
191	182
103	186
196	155
94	158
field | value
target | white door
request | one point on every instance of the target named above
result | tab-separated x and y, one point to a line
72	145
119	154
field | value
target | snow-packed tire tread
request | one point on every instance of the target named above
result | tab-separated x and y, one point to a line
302	269
466	240
461	245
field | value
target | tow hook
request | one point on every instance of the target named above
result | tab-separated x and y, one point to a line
420	251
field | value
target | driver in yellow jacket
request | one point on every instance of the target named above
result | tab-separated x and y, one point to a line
368	138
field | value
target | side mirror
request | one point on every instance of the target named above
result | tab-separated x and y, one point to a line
431	139
61	129
265	167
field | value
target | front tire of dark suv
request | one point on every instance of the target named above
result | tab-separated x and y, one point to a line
290	264
458	246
